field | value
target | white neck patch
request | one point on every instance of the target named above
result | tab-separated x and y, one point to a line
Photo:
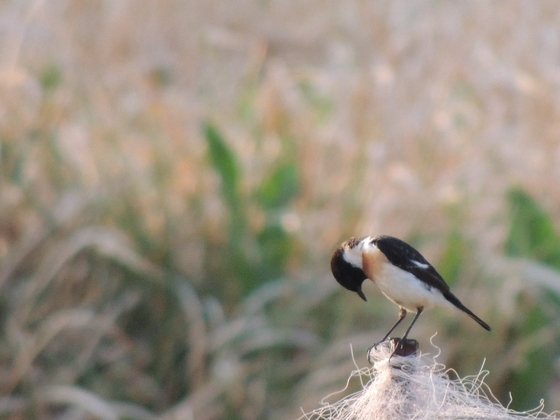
354	255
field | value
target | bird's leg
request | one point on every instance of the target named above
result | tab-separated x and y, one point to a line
402	315
420	309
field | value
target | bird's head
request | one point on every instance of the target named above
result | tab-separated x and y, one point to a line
346	266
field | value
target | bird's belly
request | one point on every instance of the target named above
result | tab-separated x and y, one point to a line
406	290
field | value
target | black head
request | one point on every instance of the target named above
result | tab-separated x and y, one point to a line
346	274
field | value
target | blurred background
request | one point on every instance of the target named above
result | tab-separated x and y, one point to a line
174	176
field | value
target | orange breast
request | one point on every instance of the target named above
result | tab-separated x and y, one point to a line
372	262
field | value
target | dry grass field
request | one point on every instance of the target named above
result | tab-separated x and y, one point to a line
174	176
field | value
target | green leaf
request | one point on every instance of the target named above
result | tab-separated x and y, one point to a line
532	235
275	248
531	231
529	385
280	188
223	160
452	259
50	78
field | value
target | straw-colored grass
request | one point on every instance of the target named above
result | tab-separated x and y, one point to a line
174	176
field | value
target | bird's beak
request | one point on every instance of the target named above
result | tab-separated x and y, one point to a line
361	294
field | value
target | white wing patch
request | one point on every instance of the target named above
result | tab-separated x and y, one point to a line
420	265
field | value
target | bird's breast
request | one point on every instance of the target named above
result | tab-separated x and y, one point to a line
406	290
373	261
400	286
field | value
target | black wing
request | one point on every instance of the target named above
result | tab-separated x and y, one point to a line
402	255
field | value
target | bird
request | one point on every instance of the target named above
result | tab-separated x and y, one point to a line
402	274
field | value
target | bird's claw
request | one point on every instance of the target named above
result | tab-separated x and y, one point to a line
400	346
370	348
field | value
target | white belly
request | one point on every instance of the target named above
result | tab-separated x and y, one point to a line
405	290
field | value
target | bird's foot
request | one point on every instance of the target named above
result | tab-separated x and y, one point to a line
374	347
400	347
404	347
397	344
376	344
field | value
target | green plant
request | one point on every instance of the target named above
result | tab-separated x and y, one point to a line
255	254
532	235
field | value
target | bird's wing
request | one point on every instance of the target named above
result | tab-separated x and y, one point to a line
402	255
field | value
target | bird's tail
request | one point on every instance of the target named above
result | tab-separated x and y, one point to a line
455	301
